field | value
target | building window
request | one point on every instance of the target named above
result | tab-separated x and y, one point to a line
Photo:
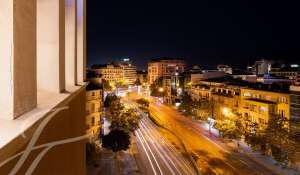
247	94
92	121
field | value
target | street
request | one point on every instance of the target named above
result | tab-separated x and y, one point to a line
156	155
209	151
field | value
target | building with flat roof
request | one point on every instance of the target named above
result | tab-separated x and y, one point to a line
162	67
129	71
109	72
258	106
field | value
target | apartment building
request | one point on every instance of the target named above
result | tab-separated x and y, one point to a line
295	102
42	93
226	97
162	67
225	68
94	110
129	72
259	106
287	72
109	72
252	104
219	94
200	92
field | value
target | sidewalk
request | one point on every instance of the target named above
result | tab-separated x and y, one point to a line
242	147
107	165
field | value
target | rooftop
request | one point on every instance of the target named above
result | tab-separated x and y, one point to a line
99	66
228	80
166	59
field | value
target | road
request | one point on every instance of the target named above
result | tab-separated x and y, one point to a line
155	154
216	155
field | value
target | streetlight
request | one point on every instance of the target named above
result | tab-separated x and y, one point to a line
225	111
161	89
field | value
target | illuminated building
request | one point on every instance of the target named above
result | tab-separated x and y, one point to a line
259	106
129	71
109	72
295	103
158	68
224	68
94	110
261	67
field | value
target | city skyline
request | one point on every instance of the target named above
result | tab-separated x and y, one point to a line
207	33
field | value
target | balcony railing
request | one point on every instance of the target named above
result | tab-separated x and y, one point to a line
57	134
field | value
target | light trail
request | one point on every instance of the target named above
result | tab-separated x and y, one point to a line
140	134
179	160
153	169
160	154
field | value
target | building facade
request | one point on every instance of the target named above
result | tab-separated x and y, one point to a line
224	68
164	67
260	106
256	106
295	103
94	111
129	72
261	67
109	72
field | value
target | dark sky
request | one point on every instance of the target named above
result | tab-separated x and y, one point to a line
204	33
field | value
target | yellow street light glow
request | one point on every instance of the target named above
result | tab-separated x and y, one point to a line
225	111
161	89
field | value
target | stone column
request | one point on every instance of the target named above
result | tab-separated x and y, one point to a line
81	41
18	87
71	46
51	45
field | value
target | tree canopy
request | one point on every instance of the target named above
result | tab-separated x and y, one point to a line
116	140
143	102
155	86
120	117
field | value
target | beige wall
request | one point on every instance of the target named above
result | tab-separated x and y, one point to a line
17	57
61	160
71	42
51	45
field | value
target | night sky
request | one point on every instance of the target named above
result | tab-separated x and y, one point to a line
204	33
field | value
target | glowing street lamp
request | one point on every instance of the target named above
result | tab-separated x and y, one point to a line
161	89
225	111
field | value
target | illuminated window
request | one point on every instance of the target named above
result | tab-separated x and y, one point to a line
247	94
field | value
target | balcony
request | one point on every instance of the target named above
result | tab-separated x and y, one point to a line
42	92
61	140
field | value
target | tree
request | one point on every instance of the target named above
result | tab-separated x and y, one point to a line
155	86
120	117
126	120
110	99
138	82
106	85
116	140
143	102
228	128
187	105
277	140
